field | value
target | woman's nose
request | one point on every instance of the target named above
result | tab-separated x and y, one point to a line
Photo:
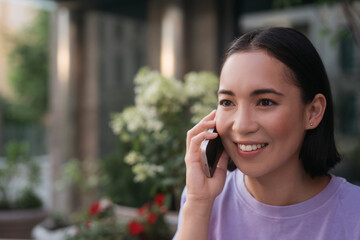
244	121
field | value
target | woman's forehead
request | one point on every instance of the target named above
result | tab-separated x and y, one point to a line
256	67
251	59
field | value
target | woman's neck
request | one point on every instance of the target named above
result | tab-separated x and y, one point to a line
285	189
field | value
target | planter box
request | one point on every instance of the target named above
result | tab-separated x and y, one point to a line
18	224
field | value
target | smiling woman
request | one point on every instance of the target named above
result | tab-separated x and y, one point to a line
275	120
265	109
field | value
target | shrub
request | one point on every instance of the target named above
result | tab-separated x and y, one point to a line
17	162
152	133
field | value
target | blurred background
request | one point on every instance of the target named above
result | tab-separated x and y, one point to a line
96	96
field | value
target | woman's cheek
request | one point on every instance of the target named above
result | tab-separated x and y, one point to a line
219	121
280	125
222	122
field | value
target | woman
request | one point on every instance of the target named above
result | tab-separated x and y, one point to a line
275	119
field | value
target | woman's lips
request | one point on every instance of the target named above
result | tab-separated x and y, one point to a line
250	150
251	147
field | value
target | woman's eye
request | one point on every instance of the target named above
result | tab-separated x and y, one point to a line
226	103
266	102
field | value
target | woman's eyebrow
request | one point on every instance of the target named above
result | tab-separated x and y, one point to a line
266	91
254	93
226	92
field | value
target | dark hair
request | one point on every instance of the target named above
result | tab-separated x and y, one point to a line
318	152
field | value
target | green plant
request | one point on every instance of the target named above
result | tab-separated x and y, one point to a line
28	71
153	132
28	199
73	175
16	162
116	181
110	178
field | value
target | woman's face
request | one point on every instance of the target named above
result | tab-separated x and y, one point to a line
261	117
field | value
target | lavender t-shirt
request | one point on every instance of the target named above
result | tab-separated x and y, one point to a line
333	214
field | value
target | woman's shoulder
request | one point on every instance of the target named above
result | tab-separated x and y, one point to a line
350	190
348	207
349	196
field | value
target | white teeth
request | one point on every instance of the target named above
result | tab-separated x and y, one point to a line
248	148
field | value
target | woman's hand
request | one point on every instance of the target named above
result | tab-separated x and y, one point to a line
199	187
201	190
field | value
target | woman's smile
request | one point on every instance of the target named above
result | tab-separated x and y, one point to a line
250	150
250	147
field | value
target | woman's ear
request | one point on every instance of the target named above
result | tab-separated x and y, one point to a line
315	111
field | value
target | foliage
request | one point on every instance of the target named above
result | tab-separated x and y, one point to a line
112	177
153	132
29	71
28	199
116	181
73	176
103	222
17	161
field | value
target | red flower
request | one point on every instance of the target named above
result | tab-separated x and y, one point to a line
143	209
94	209
159	199
87	224
163	209
151	219
135	228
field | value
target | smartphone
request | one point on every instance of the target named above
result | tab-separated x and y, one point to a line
211	151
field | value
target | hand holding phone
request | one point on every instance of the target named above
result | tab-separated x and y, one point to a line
211	151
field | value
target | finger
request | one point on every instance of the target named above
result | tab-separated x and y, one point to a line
195	144
211	115
207	120
199	128
206	123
